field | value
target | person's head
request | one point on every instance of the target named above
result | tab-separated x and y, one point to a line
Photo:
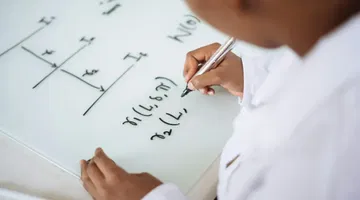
273	23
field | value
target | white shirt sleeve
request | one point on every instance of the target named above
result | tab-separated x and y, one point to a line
345	176
166	191
256	69
255	72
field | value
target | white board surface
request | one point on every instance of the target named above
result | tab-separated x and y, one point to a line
71	72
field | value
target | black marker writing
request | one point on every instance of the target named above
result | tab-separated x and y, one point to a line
23	40
148	109
57	67
83	39
38	57
90	73
177	118
137	57
168	132
111	9
145	115
108	1
170	124
158	98
162	86
48	52
122	75
186	28
87	40
82	80
164	78
157	136
130	122
46	21
162	137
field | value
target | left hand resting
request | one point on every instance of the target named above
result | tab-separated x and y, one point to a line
104	180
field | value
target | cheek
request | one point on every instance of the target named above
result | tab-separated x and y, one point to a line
212	11
254	35
246	28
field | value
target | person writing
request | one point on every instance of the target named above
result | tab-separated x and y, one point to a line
297	134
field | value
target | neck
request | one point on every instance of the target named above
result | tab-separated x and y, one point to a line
302	36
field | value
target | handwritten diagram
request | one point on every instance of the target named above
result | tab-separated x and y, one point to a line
187	26
130	56
46	21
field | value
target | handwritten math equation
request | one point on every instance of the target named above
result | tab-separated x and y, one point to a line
145	111
142	112
170	120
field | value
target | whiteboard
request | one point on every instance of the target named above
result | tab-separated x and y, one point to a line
76	75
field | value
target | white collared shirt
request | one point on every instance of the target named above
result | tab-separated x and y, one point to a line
298	132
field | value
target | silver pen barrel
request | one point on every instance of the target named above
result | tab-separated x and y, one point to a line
217	57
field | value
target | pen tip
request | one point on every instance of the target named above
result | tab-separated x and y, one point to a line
185	92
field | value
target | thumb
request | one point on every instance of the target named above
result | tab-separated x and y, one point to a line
207	79
106	165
